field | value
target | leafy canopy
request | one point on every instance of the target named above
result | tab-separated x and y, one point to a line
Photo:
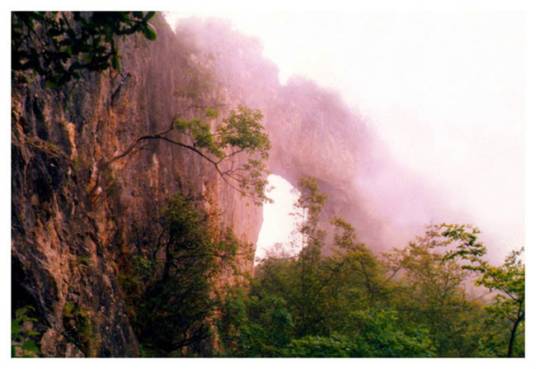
241	132
60	45
349	302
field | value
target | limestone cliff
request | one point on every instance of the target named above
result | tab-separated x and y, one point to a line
314	133
68	234
73	219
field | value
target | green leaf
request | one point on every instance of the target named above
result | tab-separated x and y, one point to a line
149	32
30	346
116	63
211	113
15	328
51	84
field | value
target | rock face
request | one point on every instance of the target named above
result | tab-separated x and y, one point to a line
313	133
69	231
68	234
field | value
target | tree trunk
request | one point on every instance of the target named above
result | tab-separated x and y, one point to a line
513	334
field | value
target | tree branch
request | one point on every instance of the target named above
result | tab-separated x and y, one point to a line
134	146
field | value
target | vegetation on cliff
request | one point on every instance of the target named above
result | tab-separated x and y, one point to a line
241	132
94	275
169	287
59	46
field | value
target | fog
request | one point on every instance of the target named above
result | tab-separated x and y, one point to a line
442	92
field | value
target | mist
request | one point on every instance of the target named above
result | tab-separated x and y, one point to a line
440	97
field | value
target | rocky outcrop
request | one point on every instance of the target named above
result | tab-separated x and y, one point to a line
73	219
314	133
68	230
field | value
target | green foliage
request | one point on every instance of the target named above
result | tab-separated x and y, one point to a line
508	308
69	309
233	322
315	346
24	337
80	329
134	278
226	246
309	266
506	280
382	340
84	260
241	132
431	289
173	311
381	333
254	327
59	45
201	135
308	207
170	297
349	302
211	113
463	243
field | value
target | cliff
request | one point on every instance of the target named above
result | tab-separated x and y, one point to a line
68	236
314	133
74	221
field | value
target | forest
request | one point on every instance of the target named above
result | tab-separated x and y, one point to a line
177	279
436	297
417	301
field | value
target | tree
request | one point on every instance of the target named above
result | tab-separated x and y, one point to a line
240	132
506	280
382	333
348	303
24	337
355	260
58	46
171	315
320	346
439	264
430	290
307	211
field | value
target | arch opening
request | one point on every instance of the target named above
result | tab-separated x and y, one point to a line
276	234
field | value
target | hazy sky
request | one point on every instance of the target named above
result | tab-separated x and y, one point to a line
278	225
444	91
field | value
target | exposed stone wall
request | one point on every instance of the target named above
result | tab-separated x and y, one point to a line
68	233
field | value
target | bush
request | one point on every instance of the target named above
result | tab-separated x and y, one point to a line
24	337
312	346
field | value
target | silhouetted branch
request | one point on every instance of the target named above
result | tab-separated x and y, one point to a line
135	146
